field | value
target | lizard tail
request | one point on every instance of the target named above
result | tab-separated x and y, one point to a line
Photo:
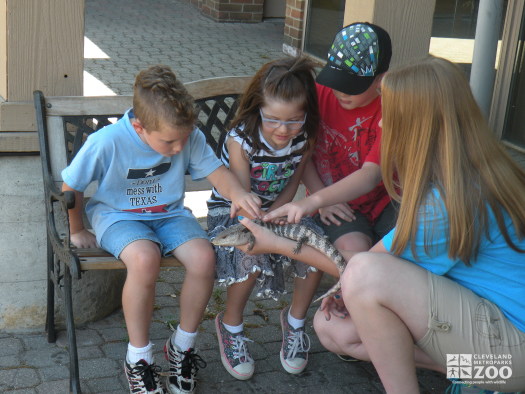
334	289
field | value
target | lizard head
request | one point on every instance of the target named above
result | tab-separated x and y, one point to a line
232	236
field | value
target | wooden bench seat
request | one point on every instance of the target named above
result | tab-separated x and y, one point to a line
99	259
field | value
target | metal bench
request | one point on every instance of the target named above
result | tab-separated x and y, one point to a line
63	124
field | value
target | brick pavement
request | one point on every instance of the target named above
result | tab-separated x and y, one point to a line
173	32
134	34
28	364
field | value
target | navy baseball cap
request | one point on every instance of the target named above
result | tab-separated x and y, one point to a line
359	53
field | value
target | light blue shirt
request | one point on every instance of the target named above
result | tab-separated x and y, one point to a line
498	272
134	181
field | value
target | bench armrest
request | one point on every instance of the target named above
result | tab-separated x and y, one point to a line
58	233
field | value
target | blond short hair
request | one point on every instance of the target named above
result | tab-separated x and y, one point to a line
159	98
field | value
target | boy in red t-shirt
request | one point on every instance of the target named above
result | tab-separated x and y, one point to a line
343	178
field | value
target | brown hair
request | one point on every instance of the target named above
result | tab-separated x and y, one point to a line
289	79
435	136
160	98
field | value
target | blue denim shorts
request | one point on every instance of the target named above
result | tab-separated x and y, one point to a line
168	233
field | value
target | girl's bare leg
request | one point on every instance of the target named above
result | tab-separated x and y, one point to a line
304	290
340	336
237	296
387	300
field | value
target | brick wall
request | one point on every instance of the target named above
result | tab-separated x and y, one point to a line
231	10
252	11
293	26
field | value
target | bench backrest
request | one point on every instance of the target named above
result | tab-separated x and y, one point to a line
65	122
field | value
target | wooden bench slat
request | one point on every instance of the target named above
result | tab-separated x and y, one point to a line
99	259
110	263
217	86
83	105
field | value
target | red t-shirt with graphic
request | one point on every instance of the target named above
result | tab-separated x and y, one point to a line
347	139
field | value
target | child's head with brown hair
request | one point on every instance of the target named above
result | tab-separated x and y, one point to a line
164	111
159	98
435	136
281	102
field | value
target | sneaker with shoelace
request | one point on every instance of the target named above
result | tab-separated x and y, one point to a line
143	377
183	369
295	346
234	352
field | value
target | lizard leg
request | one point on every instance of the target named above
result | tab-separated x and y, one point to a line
251	242
299	244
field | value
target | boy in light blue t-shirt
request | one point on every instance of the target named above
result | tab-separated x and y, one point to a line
138	215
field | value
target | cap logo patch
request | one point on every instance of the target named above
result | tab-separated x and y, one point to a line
357	47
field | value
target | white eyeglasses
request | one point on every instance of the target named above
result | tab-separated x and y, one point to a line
289	124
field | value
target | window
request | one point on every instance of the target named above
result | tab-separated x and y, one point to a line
324	20
454	29
514	126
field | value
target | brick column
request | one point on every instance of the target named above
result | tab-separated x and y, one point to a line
294	26
248	11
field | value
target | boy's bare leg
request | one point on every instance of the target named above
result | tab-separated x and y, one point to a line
198	258
142	260
237	297
352	243
303	293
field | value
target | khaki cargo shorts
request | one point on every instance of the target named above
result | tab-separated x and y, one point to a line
472	339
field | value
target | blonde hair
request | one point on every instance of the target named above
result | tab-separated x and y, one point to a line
159	98
434	135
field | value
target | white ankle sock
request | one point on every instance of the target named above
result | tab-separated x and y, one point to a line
234	329
182	339
295	323
136	354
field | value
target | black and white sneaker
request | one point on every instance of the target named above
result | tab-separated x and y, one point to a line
143	378
183	369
